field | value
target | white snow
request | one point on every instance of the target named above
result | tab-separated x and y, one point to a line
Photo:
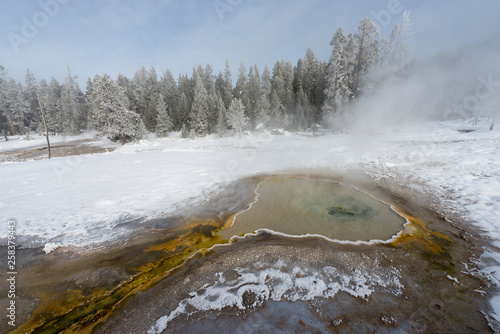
80	200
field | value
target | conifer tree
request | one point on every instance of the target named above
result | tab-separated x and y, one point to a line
109	111
163	122
236	116
227	95
367	56
199	109
221	125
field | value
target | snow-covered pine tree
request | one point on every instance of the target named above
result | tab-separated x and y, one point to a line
263	108
53	115
276	111
145	90
282	84
42	93
183	111
14	105
4	124
221	125
338	86
311	70
140	90
68	104
152	90
368	52
227	96
240	90
30	86
215	104
199	108
266	82
7	96
208	79
22	108
109	112
236	116
253	93
163	121
303	110
168	88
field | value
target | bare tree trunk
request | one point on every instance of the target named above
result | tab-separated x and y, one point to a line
122	140
45	126
493	121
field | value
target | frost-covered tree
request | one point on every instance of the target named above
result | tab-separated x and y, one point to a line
14	105
109	111
276	110
163	122
168	88
208	79
282	84
395	51
30	87
266	84
236	117
145	92
199	108
129	88
263	108
73	117
227	94
240	90
140	89
339	77
42	98
88	88
367	56
221	124
53	115
253	93
311	71
303	110
215	104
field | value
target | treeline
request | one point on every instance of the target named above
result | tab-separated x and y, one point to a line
292	96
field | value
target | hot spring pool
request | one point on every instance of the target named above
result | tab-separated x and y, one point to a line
300	206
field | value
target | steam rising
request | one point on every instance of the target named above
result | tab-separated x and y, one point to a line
463	84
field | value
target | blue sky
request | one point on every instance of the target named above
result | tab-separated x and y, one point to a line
120	36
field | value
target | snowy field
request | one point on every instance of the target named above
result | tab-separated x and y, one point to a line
78	200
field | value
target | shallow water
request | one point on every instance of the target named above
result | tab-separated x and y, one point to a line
300	206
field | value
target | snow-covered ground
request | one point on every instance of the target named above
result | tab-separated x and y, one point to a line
78	200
